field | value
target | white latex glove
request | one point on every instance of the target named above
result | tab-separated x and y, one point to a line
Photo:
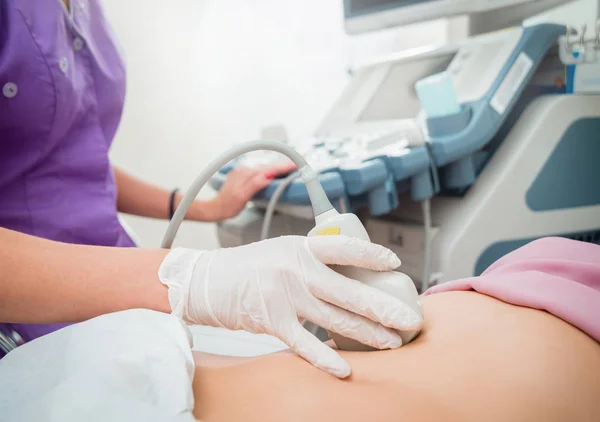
264	287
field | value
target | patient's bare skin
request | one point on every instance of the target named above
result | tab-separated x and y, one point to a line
477	359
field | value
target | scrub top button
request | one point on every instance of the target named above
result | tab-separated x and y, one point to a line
78	44
10	89
63	63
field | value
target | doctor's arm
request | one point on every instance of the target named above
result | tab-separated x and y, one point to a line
141	198
42	281
271	285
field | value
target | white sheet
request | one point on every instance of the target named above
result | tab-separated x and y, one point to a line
221	341
128	366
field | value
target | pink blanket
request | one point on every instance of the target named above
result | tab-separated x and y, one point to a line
557	275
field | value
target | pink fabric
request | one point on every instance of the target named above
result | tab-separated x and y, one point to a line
557	275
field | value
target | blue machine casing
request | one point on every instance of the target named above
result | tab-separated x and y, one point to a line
452	151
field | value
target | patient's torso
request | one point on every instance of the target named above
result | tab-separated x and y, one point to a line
477	359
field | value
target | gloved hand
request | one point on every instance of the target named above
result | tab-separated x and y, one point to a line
264	287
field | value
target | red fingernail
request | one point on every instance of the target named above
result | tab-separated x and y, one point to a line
270	175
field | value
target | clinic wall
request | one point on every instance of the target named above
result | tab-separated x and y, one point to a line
203	75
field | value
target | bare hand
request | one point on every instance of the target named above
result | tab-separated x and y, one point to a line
242	184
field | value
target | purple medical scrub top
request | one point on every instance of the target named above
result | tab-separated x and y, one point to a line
62	86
